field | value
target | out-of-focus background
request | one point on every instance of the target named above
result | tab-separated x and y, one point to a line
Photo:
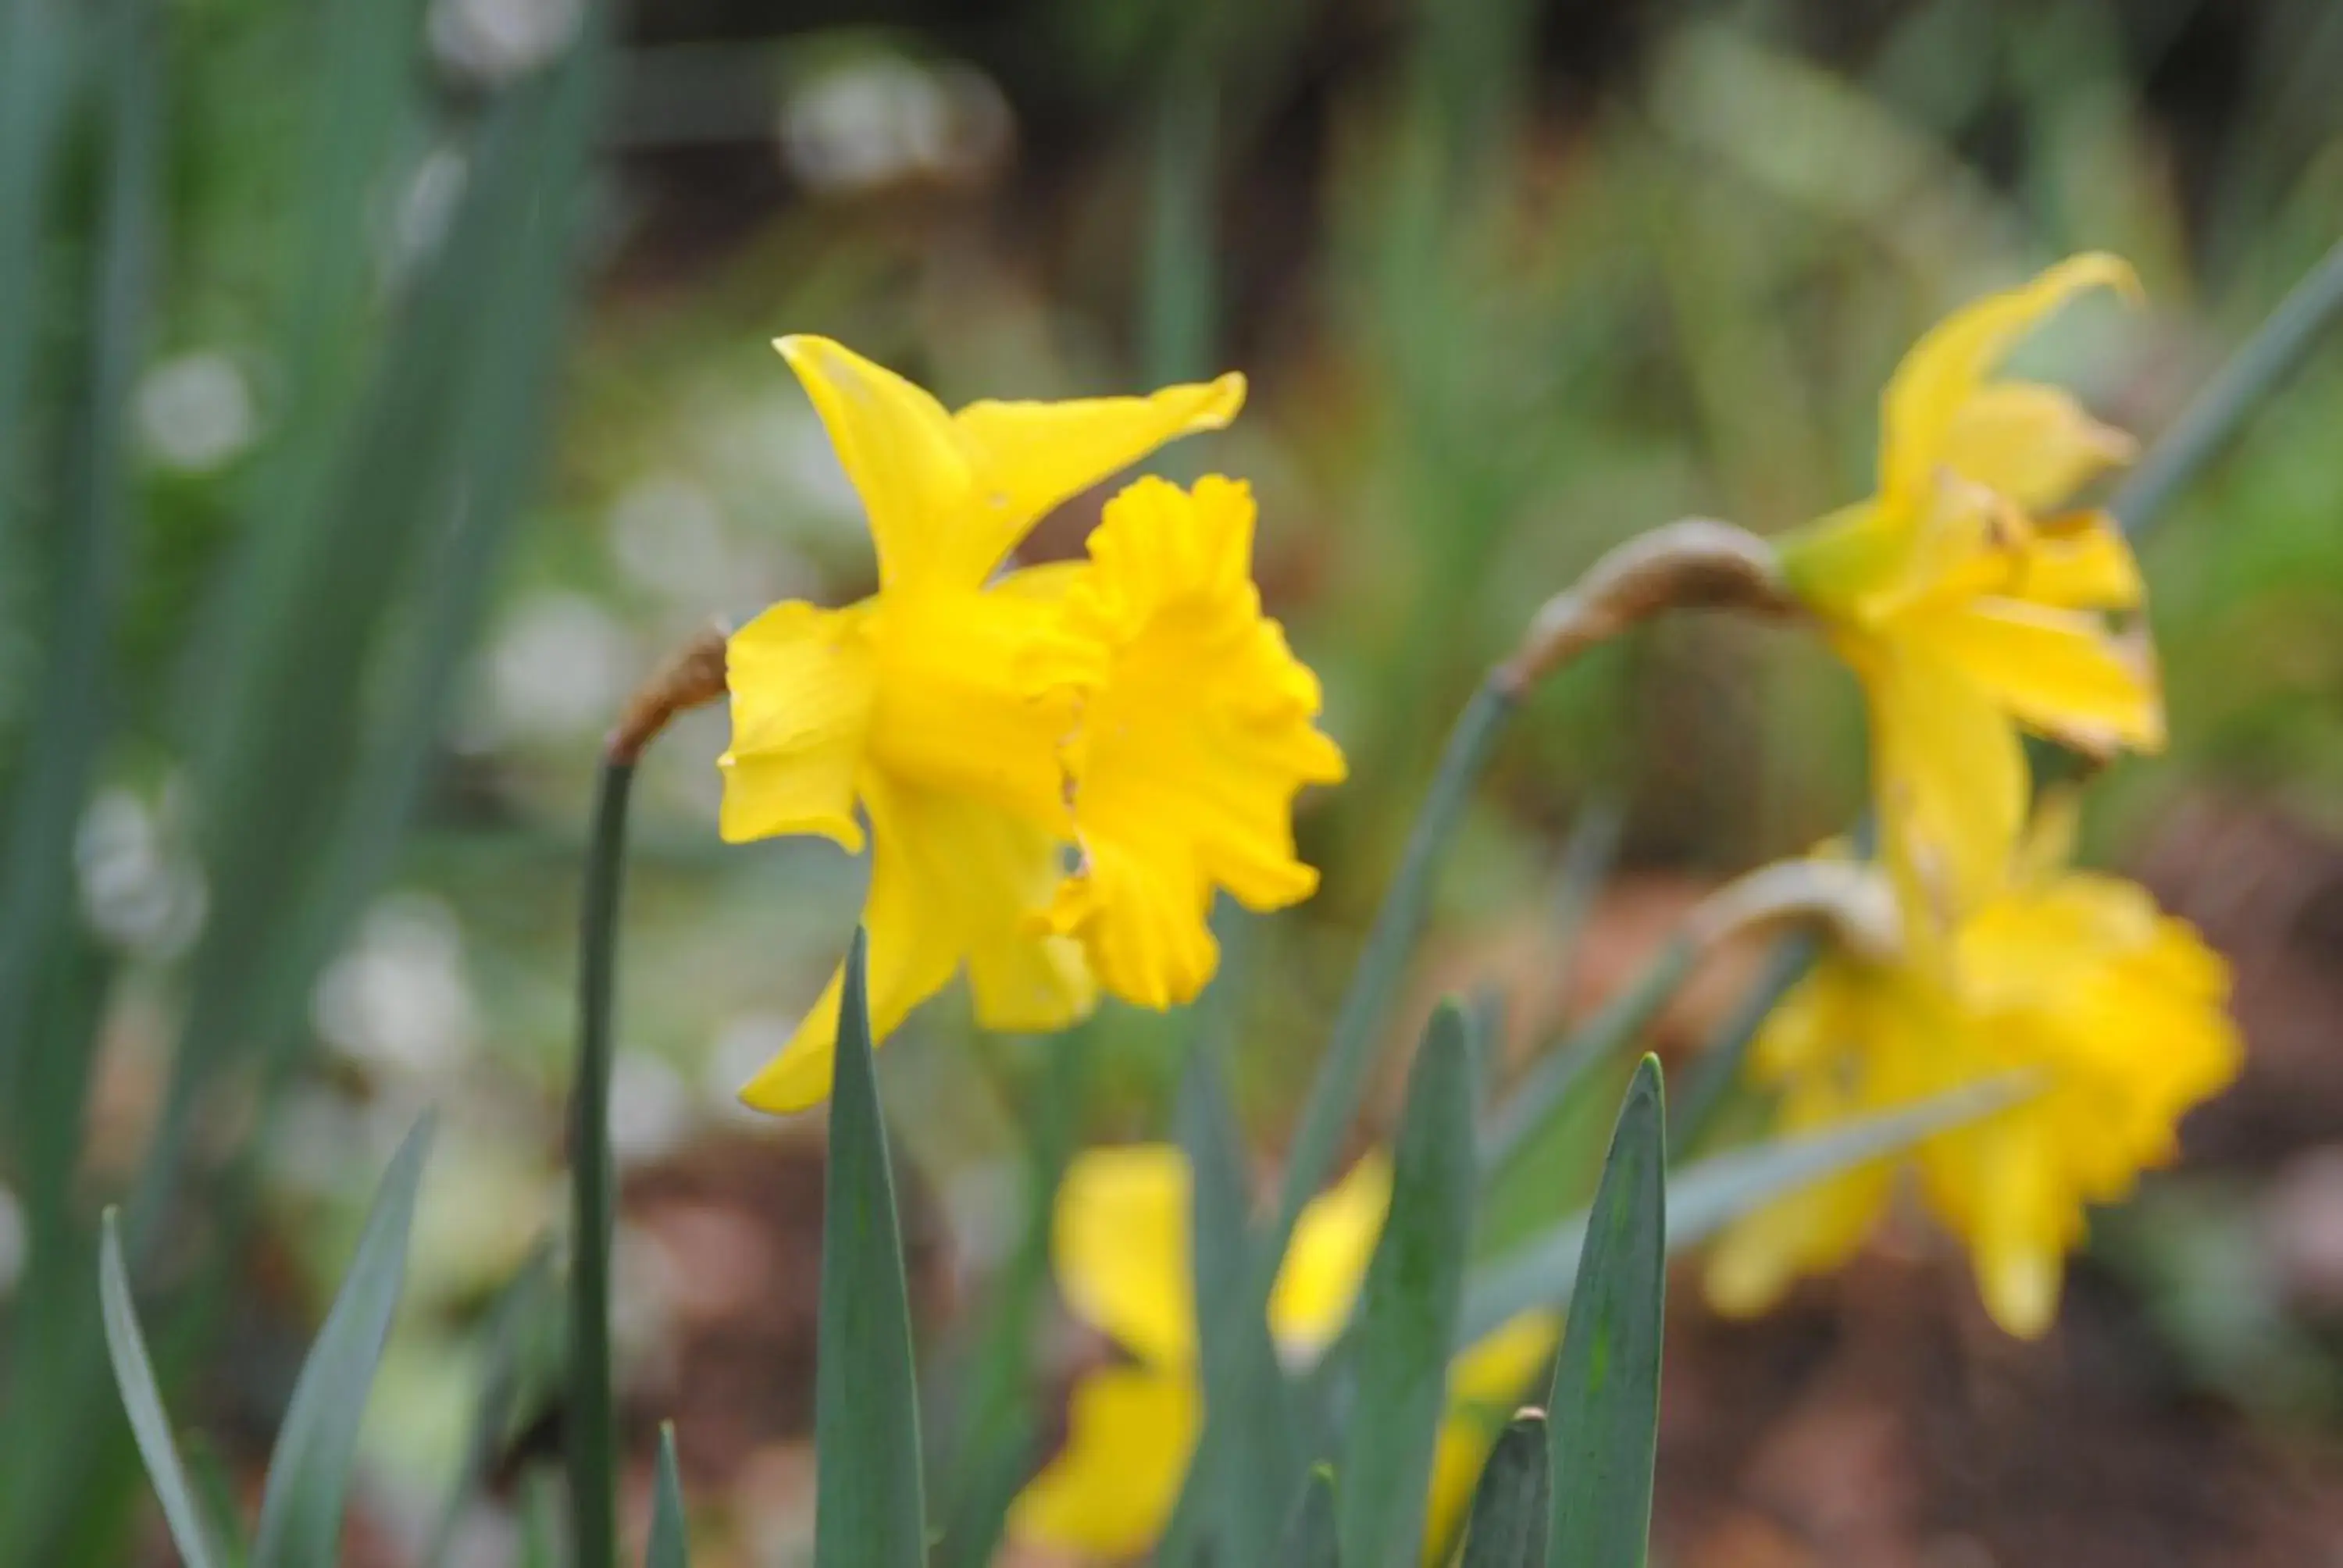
381	395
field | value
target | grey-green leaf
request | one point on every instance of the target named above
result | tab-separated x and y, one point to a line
133	1374
528	1296
1249	1463
309	1470
1605	1407
670	1547
1707	1196
1508	1525
1410	1304
1310	1538
868	1508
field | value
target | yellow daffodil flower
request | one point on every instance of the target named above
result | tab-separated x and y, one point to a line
1190	745
939	705
1122	1242
2111	1013
1968	604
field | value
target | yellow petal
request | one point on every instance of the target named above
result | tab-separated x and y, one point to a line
2033	445
2057	671
1031	456
802	684
1109	1492
1950	780
1812	1232
952	880
1947	368
2081	561
2018	1222
905	458
949	495
1496	1372
1120	1236
1192	749
1325	1266
911	957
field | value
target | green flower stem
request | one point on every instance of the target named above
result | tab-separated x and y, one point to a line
1342	1080
593	1509
2220	409
1548	1084
1708	1080
692	677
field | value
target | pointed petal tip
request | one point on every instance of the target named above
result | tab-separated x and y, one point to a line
1225	397
797	1079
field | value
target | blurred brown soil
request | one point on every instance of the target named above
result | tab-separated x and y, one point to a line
1880	1420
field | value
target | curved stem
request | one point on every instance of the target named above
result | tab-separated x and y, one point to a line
2220	410
1693	563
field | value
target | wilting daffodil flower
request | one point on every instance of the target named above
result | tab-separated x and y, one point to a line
940	705
1968	603
1121	1237
1190	743
2108	1015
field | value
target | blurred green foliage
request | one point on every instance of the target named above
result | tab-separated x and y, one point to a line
290	611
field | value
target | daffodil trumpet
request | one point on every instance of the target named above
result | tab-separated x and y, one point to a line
978	725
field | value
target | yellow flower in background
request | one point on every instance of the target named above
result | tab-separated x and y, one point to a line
1190	745
1121	1243
1968	604
938	705
2113	1010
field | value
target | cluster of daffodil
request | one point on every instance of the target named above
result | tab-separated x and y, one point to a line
1062	765
1973	601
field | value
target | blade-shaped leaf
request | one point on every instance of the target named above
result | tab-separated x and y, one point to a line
1509	1507
992	1453
1605	1407
1707	1196
867	1509
1310	1536
309	1470
669	1546
1249	1463
1410	1304
526	1296
133	1374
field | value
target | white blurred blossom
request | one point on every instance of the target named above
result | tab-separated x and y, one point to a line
135	892
195	412
876	122
559	667
11	1241
651	1108
424	208
665	534
398	998
493	41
